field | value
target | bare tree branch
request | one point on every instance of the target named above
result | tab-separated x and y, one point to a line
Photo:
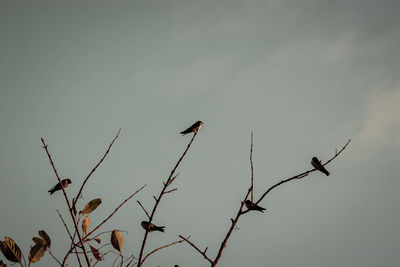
51	254
203	253
166	184
72	243
106	219
145	211
250	190
66	199
105	232
65	225
252	169
94	169
233	225
301	175
162	247
170	191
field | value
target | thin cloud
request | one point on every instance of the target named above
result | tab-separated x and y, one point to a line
381	128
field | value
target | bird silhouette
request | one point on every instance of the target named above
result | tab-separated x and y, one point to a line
152	227
57	187
253	206
317	165
194	128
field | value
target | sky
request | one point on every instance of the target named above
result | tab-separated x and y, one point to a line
304	76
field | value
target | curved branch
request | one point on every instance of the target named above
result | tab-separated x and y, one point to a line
145	211
106	219
203	253
94	169
157	249
252	169
250	190
301	175
66	199
166	184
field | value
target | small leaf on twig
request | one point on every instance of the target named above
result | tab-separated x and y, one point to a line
10	250
91	206
86	225
37	252
117	240
45	237
95	253
98	240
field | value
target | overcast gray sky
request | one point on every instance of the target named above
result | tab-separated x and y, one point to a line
305	76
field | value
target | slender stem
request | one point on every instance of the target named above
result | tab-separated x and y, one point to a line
252	169
162	247
106	219
301	175
87	237
72	243
65	225
234	222
145	211
66	200
250	190
105	232
51	254
166	184
94	169
198	250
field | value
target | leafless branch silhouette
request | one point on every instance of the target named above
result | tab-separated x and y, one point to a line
168	182
240	211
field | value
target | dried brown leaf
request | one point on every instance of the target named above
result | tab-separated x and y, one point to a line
2	264
98	240
91	206
86	225
95	253
37	252
10	250
117	240
45	237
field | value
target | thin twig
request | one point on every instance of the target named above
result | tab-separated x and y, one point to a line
106	219
252	169
133	257
166	184
105	232
170	191
233	225
23	257
66	199
65	225
301	175
51	254
203	253
157	249
94	169
145	211
240	212
72	242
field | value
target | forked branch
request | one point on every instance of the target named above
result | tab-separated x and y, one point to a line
168	182
45	146
250	191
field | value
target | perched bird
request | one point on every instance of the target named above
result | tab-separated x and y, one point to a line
57	187
317	165
194	128
253	206
152	227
